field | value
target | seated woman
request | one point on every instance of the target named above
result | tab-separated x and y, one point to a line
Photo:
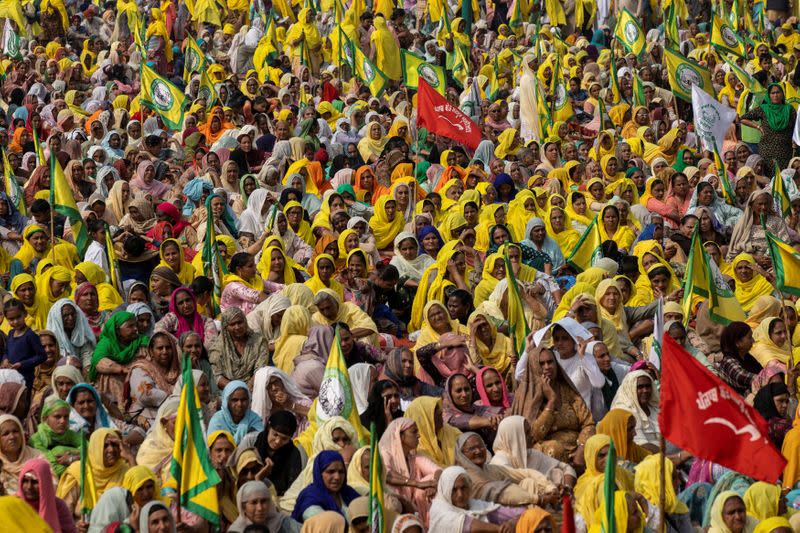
71	329
235	415
237	351
282	459
455	511
64	377
492	391
449	270
119	344
399	367
88	301
14	452
442	347
53	438
620	425
729	513
408	261
328	491
750	284
324	269
771	342
88	414
276	268
294	246
36	488
461	413
500	484
266	317
109	296
243	287
609	300
142	483
151	379
636	395
410	475
488	346
273	391
588	489
106	462
331	308
764	501
183	317
648	482
156	450
772	402
561	421
437	440
737	367
256	507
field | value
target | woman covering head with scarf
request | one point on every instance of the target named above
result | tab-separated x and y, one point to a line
237	351
56	442
235	415
37	490
261	510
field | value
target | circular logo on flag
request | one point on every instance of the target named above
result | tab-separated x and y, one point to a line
560	97
728	37
706	119
333	398
429	75
204	93
687	76
348	52
161	95
192	60
631	31
12	46
369	74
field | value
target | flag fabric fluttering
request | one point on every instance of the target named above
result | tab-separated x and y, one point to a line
609	488
703	415
517	322
336	396
779	193
160	95
414	67
11	41
561	106
712	119
727	189
471	104
114	274
684	73
194	59
214	267
367	71
63	201
724	38
440	117
37	147
629	33
786	262
377	521
658	334
87	493
191	467
749	82
588	248
12	188
703	280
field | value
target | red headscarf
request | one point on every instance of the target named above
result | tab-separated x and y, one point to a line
47	508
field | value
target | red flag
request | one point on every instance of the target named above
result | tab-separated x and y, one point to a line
441	117
703	415
568	518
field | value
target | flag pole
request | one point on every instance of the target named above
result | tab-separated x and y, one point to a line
52	214
662	484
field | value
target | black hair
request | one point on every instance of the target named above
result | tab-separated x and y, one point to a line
659	271
40	206
13	303
628	264
389	273
93	226
238	261
771	324
283	422
375	410
256	528
687	218
133	245
201	285
340	325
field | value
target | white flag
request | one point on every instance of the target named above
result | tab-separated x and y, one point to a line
10	41
471	103
658	334
711	119
796	134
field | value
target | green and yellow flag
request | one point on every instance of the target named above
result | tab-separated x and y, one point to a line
376	506
749	82
780	194
63	201
194	59
609	524
460	68
588	248
214	267
786	262
727	189
12	188
629	33
191	467
704	281
517	322
87	494
113	265
207	90
671	27
615	92
683	73
37	147
336	396
163	97
638	90
561	108
268	48
415	67
367	71
724	38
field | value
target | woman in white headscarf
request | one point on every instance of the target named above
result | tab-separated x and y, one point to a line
643	407
362	376
274	520
253	220
274	390
266	317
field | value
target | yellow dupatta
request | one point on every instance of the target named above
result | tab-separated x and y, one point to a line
186	273
316	284
433	282
623	236
439	446
108	296
384	228
293	334
566	238
764	349
747	292
498	356
488	282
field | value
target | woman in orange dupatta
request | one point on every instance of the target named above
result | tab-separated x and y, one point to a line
215	126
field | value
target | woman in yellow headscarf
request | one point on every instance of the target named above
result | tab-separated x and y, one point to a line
588	488
171	254
749	283
323	276
52	285
48	6
763	500
609	164
23	287
489	217
386	223
508	143
400	128
108	296
303	228
488	347
771	342
520	210
158	28
649	254
439	445
371	145
640	117
611	228
387	52
437	277
293	334
626	512
615	425
305	42
577	201
618	113
648	483
494	269
718	524
669	145
269	255
559	227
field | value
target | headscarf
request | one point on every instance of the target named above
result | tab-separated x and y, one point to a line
158	445
262	405
104	477
223	420
257	489
588	487
620	515
317	494
108	345
47	507
762	500
446	517
747	292
227	359
186	272
150	508
385	230
195	324
648	478
777	115
615	425
718	521
764	348
293	334
421	411
76	421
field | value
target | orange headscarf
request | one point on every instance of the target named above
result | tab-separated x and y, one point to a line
16	143
205	129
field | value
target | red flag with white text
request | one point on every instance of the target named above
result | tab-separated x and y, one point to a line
440	117
703	415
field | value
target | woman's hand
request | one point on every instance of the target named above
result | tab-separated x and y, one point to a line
549	393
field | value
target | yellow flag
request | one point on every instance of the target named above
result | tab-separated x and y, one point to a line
207	90
724	39
683	73
195	59
587	250
191	466
163	97
561	106
368	72
63	201
786	262
629	33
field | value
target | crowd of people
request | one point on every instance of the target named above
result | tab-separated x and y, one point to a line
295	207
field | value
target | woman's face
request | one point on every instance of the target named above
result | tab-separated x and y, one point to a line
761	205
611	166
127	331
611	219
357	266
658	190
461	392
184	304
705	223
744	271
237	327
340	438
217	207
407	363
557	220
475	450
112	451
145	493
734	513
778	334
408	248
610	300
600	459
563	342
39	241
162	352
410	438
11	438
499	270
500	236
547	362
333	477
493	386
430	243
680	185
325	269
551	152
438	320
776	95
238	403
644	390
461	493
705	196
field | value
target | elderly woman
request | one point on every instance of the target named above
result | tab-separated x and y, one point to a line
14	452
399	368
637	394
748	233
274	390
183	317
461	413
37	490
72	331
729	514
256	506
331	308
152	378
328	491
238	351
235	415
411	476
560	420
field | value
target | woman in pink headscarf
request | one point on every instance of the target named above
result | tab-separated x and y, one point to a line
146	182
36	489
